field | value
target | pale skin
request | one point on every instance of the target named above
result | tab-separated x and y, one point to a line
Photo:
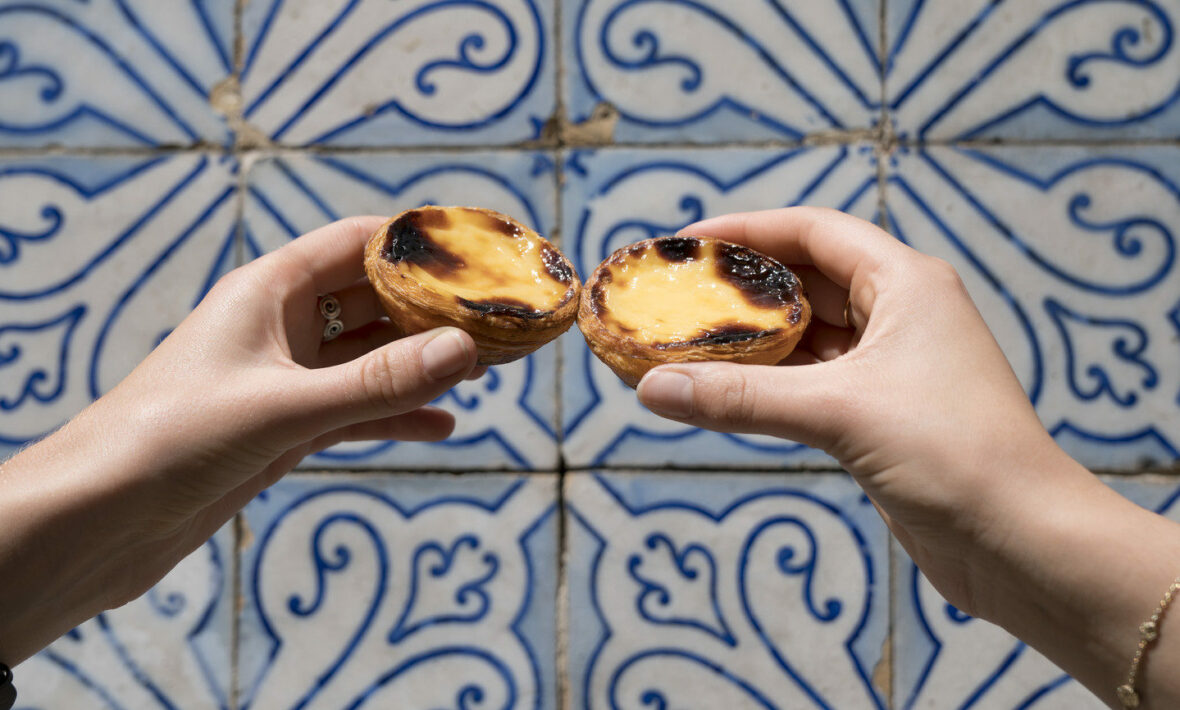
917	402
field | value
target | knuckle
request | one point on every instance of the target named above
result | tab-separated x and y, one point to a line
943	273
379	381
738	402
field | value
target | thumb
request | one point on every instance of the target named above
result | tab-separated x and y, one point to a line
396	378
792	402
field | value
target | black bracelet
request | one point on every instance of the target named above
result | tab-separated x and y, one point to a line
7	690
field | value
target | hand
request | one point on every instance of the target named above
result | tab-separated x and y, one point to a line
239	392
915	399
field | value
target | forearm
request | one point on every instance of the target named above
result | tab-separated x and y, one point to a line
64	540
1079	571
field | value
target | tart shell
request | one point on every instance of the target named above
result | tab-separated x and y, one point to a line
631	359
502	333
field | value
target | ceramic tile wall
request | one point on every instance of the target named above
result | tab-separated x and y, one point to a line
146	148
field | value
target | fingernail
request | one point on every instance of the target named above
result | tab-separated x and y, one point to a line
667	393
445	355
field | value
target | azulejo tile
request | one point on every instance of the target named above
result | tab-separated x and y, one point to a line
616	197
1041	69
724	591
710	70
400	591
945	658
169	648
99	258
506	419
112	72
1070	254
379	73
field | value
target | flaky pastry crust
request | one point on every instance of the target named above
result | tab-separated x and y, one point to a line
504	329
760	279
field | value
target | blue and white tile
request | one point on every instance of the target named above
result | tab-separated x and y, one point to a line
713	71
1033	69
100	257
616	197
945	658
112	72
417	72
169	648
506	419
1070	254
725	591
419	591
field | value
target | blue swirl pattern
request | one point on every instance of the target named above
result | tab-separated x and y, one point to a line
732	615
396	589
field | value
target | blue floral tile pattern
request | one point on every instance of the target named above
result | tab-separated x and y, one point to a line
378	73
945	658
709	70
99	258
507	419
724	590
615	197
170	648
400	591
1071	255
1034	69
113	72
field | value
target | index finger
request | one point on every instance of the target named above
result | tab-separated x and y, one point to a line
839	245
331	257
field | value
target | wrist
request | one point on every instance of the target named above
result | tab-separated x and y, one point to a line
1078	570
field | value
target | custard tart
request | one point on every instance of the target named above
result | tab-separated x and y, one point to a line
681	299
477	270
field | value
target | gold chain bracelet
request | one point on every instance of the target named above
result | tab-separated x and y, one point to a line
1149	631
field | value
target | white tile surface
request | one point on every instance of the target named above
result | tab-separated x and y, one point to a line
400	591
724	591
414	72
1036	69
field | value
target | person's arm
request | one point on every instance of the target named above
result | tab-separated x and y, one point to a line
919	404
96	513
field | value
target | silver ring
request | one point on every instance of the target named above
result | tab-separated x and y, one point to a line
330	310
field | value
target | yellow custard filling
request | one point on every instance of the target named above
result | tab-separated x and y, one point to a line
652	299
477	257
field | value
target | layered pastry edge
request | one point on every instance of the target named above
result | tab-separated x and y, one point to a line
762	278
504	329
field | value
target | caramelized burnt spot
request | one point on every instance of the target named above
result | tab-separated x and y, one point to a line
723	335
503	307
598	293
763	282
678	249
408	239
556	265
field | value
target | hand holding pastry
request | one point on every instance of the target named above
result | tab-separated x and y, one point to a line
900	380
239	392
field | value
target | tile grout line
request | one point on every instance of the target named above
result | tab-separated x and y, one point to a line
239	259
853	138
560	607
